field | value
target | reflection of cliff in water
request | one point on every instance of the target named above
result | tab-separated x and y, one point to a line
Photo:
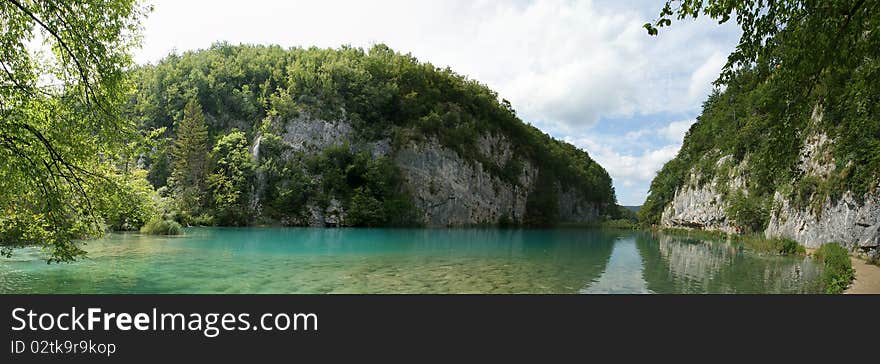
686	265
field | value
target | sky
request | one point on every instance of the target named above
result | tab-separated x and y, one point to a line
583	71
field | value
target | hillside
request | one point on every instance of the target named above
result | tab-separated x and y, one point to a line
795	161
348	137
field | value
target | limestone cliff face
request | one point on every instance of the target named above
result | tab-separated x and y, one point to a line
848	221
451	191
312	135
853	224
856	225
447	189
697	206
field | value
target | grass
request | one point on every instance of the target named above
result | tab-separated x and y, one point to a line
699	234
781	246
162	227
838	272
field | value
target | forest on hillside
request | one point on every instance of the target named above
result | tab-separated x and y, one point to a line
249	92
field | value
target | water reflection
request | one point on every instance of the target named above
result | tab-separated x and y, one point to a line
623	273
683	265
265	260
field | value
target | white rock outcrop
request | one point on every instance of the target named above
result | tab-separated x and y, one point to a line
451	191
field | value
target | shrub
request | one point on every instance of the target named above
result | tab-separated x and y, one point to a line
365	210
838	272
159	226
749	212
788	246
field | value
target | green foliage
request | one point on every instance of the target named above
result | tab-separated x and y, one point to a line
624	224
798	38
838	272
160	226
698	234
231	183
191	162
796	60
623	213
781	246
542	205
748	211
505	221
125	201
51	132
287	186
365	209
789	246
370	188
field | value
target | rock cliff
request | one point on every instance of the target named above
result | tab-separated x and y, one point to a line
446	188
850	221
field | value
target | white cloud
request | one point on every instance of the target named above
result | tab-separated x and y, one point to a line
701	80
675	131
633	168
632	172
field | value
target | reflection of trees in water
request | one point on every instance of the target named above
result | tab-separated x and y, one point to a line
120	263
685	265
329	260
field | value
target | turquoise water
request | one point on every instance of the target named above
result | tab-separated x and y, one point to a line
303	260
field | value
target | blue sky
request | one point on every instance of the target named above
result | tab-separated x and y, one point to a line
583	71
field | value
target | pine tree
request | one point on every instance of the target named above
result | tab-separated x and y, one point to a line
190	161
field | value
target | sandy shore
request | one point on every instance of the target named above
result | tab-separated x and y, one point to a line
867	278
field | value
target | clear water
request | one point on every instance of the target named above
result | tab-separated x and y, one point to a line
303	260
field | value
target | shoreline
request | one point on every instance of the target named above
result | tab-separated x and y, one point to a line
867	278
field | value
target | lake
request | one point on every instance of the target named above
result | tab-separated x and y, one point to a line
308	260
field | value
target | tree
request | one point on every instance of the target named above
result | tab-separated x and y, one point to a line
797	39
59	109
366	210
190	161
231	182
